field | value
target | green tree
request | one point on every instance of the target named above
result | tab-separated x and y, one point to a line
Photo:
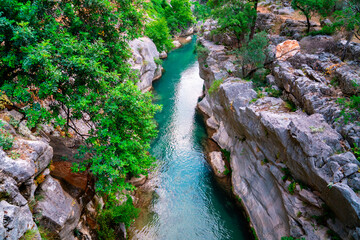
201	11
349	17
236	17
309	7
159	32
252	55
67	60
179	15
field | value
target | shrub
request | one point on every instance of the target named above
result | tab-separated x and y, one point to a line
158	61
356	151
350	108
273	92
326	30
159	32
29	235
226	154
215	86
6	139
291	106
201	51
291	187
112	215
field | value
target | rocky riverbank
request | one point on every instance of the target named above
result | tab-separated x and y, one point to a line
293	170
37	185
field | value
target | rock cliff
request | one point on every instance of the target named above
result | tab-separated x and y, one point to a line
293	170
145	62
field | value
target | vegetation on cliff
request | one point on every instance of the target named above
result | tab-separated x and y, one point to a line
63	61
167	20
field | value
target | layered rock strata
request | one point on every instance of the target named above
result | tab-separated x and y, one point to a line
293	171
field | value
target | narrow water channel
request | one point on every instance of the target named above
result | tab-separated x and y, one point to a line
187	202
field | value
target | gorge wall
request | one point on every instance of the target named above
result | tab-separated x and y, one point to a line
37	185
293	171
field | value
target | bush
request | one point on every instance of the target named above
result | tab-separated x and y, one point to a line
201	11
215	86
179	15
112	215
326	30
350	108
159	32
201	51
158	61
6	139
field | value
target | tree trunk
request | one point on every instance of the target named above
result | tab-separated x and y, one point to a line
253	27
349	38
308	24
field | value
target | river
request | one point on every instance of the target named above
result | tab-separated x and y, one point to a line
188	203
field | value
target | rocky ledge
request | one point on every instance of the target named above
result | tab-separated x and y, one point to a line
293	171
145	62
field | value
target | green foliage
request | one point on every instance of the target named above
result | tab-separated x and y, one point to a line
326	30
309	7
112	215
356	151
287	175
333	235
252	55
273	92
327	214
291	188
254	233
215	86
201	11
291	106
226	154
158	61
29	235
167	19
227	171
6	139
179	15
201	51
73	55
159	32
349	16
350	108
235	17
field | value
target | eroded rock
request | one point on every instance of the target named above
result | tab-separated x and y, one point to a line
57	210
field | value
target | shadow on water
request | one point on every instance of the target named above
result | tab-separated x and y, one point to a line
188	202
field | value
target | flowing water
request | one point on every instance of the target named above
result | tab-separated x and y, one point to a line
187	202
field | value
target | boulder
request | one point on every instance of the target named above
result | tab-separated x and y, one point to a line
163	55
15	221
287	49
217	163
138	181
187	32
176	44
143	61
57	210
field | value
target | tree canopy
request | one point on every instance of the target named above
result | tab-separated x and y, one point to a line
67	60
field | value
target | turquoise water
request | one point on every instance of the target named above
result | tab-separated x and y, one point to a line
187	203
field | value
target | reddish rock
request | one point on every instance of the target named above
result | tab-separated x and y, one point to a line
287	49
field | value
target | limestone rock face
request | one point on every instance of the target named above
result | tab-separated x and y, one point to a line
57	211
273	150
144	55
217	163
15	221
287	49
296	29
